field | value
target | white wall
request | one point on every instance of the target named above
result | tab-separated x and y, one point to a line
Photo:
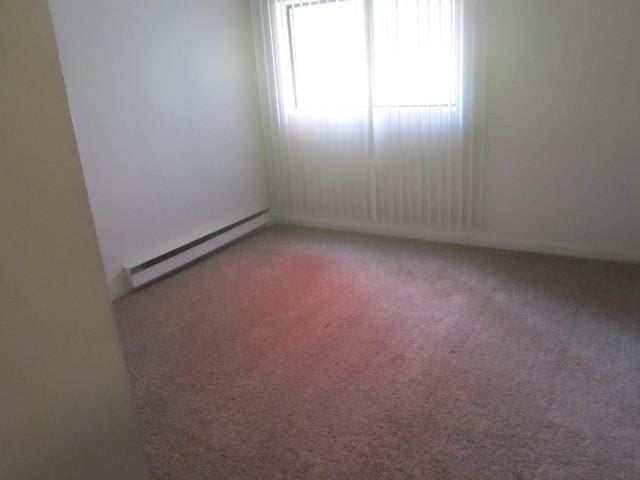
164	100
564	123
65	411
164	103
563	132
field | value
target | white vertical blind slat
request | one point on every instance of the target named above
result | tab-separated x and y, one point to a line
406	151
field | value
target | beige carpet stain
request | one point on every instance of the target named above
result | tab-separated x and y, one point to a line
308	354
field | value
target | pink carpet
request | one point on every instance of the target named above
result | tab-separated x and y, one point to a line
307	354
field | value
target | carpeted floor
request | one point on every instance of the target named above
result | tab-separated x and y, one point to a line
306	354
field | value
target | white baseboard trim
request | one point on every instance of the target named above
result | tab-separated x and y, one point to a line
162	265
458	237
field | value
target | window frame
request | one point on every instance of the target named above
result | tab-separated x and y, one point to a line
291	4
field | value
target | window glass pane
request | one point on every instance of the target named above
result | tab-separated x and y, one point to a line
414	52
329	56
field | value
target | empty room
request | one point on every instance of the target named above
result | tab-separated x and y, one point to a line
319	239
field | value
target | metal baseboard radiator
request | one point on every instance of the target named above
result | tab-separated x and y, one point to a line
166	263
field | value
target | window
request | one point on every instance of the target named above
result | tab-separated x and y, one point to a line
328	55
398	53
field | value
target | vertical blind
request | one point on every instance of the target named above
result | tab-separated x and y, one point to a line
372	109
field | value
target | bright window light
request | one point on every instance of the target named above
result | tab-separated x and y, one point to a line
408	60
328	54
413	51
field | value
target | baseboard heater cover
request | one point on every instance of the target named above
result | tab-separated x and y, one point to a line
161	265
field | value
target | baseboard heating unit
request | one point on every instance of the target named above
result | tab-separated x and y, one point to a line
161	265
